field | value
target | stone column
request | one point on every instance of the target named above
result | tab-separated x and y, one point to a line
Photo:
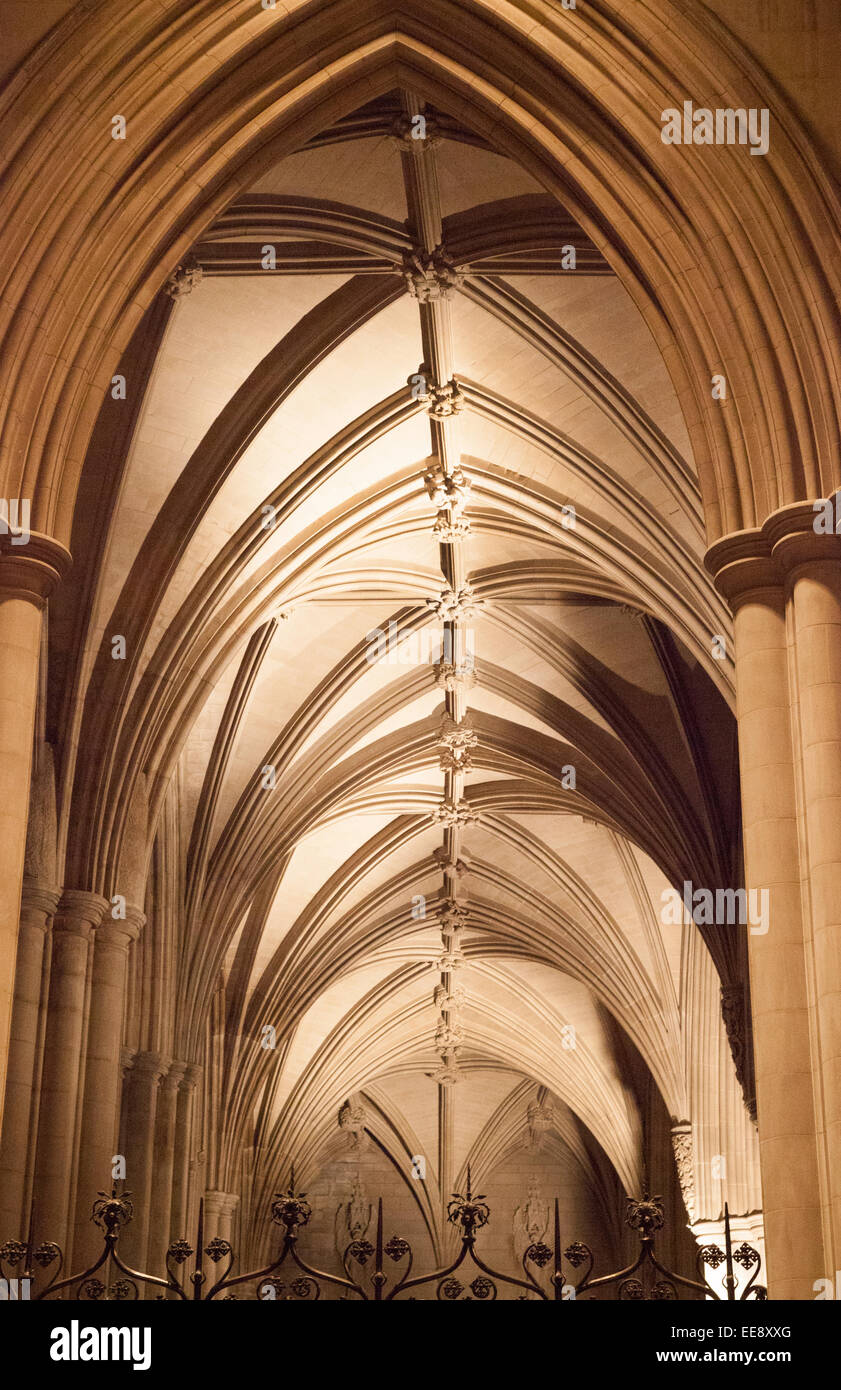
77	914
162	1178
102	1074
20	1117
141	1103
812	562
180	1213
788	1148
218	1214
28	575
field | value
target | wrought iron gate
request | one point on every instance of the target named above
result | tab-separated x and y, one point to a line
381	1271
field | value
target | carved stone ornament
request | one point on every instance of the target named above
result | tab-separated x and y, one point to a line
531	1219
449	961
184	279
454	760
684	1162
417	134
540	1119
353	1118
451	678
448	530
429	276
449	1037
447	489
353	1217
456	742
455	813
441	401
458	734
453	606
447	1074
452	914
733	1013
448	1000
447	865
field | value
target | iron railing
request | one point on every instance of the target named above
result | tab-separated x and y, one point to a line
381	1270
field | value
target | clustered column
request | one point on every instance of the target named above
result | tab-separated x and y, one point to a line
166	1126
784	585
157	1135
100	1106
180	1209
813	567
141	1101
77	915
20	1118
219	1210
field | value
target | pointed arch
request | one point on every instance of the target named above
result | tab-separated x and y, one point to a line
241	87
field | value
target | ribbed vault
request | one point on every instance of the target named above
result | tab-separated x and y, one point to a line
242	84
425	697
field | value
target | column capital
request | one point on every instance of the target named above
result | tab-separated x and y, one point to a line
742	567
793	539
190	1079
121	931
34	569
684	1151
151	1065
174	1076
137	917
223	1203
38	901
761	560
120	934
78	911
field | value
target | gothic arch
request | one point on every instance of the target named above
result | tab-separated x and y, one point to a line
241	87
729	262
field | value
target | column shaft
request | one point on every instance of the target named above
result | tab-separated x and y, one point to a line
780	1001
60	1080
28	574
164	1164
102	1074
218	1214
141	1106
816	590
20	644
784	584
20	1115
185	1108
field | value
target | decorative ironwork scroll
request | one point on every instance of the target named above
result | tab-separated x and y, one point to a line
470	1213
379	1270
110	1213
647	1280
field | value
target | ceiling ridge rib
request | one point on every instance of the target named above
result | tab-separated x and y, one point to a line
552	341
220	756
276	376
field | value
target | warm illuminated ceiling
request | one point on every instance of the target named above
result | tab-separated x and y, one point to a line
318	810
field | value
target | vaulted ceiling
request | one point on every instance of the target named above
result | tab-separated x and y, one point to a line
426	695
